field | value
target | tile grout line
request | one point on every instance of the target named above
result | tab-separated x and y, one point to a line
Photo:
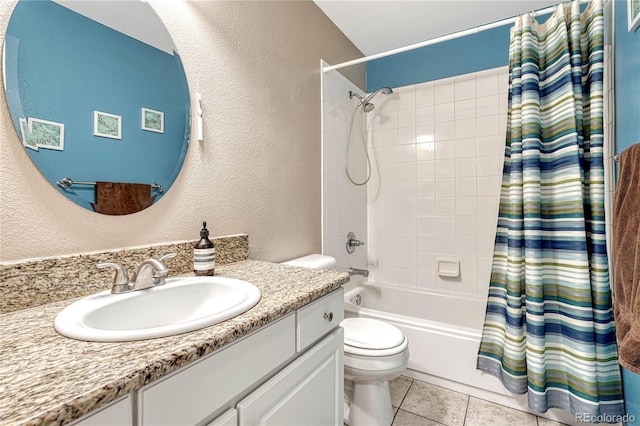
406	393
510	408
403	398
466	410
416	414
413	381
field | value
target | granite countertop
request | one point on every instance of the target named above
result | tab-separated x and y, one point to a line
46	378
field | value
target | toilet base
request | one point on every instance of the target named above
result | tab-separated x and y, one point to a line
368	403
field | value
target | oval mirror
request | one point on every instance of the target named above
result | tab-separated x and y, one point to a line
99	98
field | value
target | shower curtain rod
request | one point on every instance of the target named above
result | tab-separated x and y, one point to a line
440	39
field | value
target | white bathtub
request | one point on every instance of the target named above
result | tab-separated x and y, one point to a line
444	334
451	323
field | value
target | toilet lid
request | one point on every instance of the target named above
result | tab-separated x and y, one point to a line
368	333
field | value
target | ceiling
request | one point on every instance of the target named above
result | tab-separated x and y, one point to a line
376	26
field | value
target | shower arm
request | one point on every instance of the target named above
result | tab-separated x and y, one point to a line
352	94
383	90
364	101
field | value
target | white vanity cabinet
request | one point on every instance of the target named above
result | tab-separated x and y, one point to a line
308	391
288	372
194	393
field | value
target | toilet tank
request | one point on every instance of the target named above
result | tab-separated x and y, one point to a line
313	261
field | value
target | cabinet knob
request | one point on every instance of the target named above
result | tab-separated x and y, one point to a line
328	316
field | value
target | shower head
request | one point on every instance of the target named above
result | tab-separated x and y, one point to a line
366	105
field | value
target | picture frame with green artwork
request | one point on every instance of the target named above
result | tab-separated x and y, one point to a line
107	125
37	133
152	120
633	14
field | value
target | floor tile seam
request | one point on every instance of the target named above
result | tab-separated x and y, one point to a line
538	418
467	407
466	410
405	397
406	393
402	400
505	406
421	416
393	420
467	396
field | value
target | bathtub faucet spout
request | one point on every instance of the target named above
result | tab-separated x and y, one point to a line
356	271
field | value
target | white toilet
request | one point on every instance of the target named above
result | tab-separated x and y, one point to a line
374	353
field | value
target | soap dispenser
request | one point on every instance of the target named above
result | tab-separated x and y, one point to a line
204	254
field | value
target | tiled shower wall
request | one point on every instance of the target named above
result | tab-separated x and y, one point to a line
439	149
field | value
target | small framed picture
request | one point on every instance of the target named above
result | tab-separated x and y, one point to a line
633	13
152	120
107	125
27	140
37	133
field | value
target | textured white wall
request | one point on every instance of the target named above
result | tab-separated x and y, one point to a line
258	170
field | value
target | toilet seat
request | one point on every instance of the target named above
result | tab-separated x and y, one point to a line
372	338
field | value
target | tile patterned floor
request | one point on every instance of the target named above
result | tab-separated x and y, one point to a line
420	404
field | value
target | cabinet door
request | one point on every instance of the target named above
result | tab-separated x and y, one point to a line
307	392
228	418
116	414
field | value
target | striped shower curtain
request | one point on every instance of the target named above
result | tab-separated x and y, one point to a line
549	327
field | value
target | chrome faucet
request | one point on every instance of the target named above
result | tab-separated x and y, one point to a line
356	271
149	273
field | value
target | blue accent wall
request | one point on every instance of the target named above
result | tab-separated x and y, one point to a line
477	52
111	73
482	51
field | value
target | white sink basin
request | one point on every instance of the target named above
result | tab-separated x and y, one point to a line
180	305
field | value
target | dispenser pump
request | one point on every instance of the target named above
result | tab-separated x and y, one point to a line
204	233
204	254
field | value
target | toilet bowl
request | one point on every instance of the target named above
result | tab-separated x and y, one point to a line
375	352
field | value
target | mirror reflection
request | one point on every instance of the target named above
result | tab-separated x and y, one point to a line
99	98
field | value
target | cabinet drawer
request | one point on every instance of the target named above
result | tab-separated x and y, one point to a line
194	393
319	318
